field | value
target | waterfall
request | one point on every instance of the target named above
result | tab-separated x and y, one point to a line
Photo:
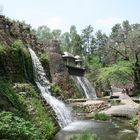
62	112
85	87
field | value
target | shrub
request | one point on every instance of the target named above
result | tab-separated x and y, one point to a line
101	116
7	91
55	89
38	114
137	93
17	45
2	49
13	127
44	57
85	136
134	121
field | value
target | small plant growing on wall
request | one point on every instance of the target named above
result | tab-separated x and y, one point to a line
55	89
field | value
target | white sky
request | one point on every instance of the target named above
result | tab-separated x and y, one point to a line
101	14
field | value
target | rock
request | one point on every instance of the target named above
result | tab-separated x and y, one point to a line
59	73
95	105
129	109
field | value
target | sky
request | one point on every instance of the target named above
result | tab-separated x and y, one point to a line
61	14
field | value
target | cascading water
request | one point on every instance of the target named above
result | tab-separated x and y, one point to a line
62	112
85	87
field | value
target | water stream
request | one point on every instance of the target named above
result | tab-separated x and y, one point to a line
104	130
84	86
62	112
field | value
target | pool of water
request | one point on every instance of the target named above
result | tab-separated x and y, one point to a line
115	130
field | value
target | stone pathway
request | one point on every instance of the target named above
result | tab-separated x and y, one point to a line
129	108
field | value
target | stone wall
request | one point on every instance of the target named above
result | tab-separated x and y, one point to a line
59	73
13	65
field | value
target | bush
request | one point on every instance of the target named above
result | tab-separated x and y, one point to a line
13	127
85	136
55	89
137	93
7	91
17	45
44	57
2	49
38	114
134	121
101	116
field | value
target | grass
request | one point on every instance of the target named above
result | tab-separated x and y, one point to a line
134	121
101	116
85	136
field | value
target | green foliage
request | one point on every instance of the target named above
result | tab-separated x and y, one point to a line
120	72
101	116
26	64
55	89
134	121
44	57
12	127
2	49
93	64
15	62
56	34
137	93
87	39
94	61
39	116
85	136
44	34
65	42
17	45
7	91
27	105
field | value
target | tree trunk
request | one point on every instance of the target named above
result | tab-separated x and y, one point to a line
137	74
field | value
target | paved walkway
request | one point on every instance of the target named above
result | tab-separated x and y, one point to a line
129	108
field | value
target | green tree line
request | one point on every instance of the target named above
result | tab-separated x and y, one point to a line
114	57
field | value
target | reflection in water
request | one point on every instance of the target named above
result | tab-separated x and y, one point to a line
104	130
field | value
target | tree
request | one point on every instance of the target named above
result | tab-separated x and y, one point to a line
44	34
56	34
87	39
133	42
125	41
101	46
75	41
71	41
118	39
65	42
120	73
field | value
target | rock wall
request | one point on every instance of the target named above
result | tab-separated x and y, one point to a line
17	66
59	73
